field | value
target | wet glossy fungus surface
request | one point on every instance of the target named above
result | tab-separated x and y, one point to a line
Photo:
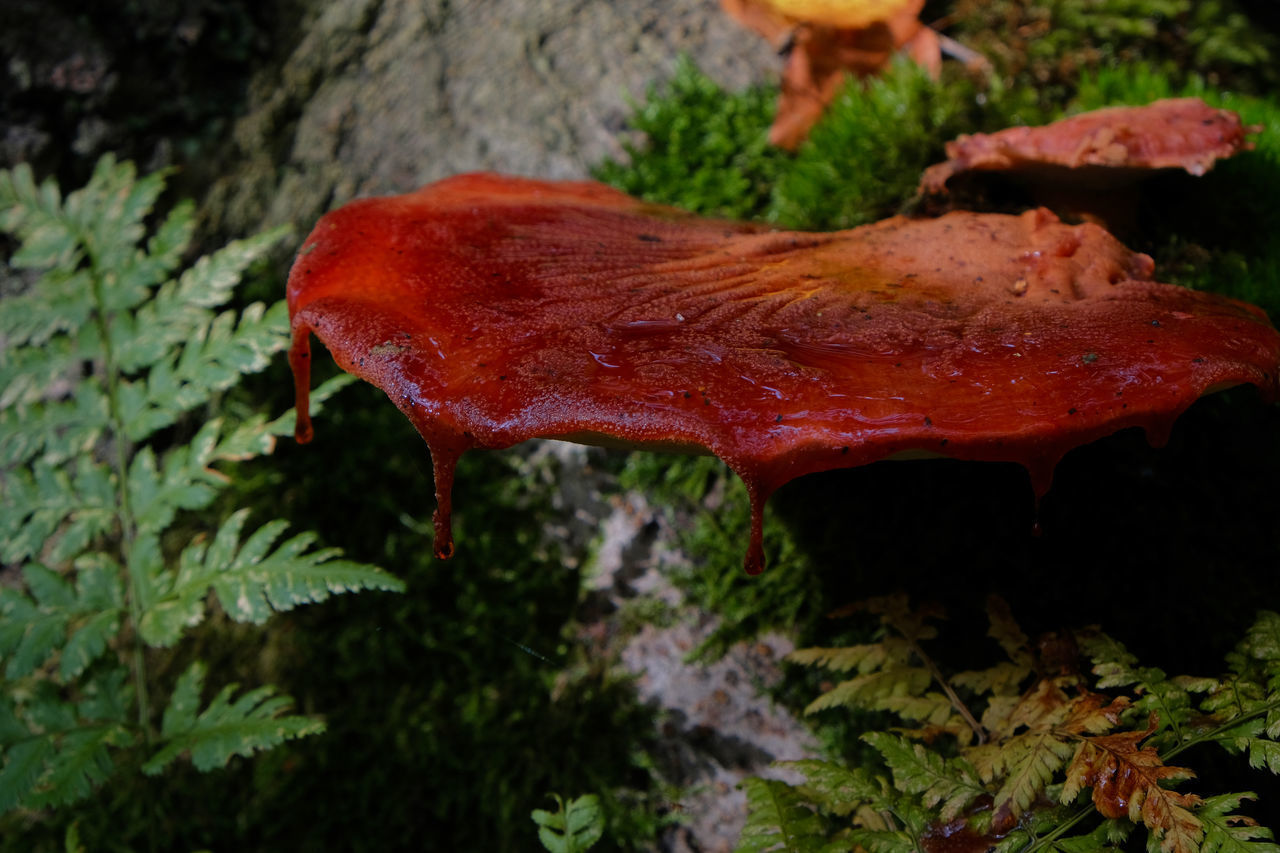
493	310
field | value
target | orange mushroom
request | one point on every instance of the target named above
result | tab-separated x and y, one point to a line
1080	164
825	40
492	310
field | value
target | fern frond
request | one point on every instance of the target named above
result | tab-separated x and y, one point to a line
1262	644
863	658
33	628
1006	631
81	763
1026	763
912	623
882	841
929	709
214	358
947	785
1225	832
1106	837
58	752
868	691
23	764
1126	782
1250	737
53	431
104	348
778	819
1169	699
836	789
1003	679
251	580
574	827
181	309
187	479
225	728
34	213
284	424
49	500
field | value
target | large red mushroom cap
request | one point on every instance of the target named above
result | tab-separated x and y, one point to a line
492	310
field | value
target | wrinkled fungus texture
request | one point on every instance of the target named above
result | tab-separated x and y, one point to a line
492	310
824	41
1105	146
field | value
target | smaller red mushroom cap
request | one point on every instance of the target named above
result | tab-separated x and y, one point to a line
492	310
1104	146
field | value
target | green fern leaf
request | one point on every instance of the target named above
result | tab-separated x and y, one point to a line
1003	679
213	360
59	752
252	580
284	424
34	628
910	816
1168	698
225	728
35	215
82	762
836	789
180	310
573	827
883	841
48	500
779	819
1251	738
1228	833
23	764
930	709
188	479
1106	837
108	213
868	691
1027	763
1262	644
53	431
947	785
863	658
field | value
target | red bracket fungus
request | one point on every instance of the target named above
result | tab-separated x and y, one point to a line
824	40
492	310
1077	164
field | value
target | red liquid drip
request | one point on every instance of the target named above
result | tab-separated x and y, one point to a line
300	364
754	562
444	463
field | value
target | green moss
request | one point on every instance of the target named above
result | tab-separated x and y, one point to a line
704	150
862	161
1048	44
712	513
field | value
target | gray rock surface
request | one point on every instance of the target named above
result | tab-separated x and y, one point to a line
717	724
382	96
